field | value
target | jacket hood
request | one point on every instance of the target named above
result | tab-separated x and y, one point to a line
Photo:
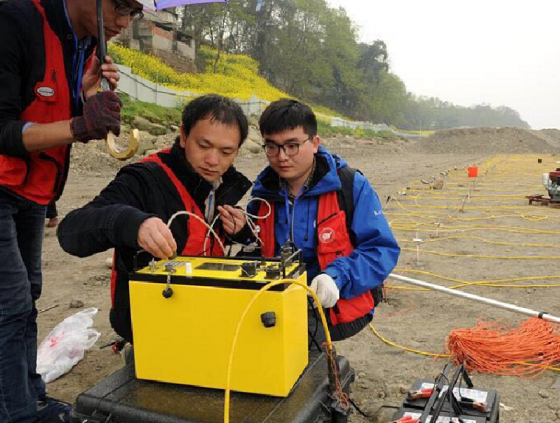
324	179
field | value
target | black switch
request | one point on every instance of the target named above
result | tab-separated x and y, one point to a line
249	269
268	319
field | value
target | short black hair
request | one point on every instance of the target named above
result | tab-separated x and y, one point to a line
217	108
285	114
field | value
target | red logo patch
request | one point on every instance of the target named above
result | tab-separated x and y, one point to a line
326	236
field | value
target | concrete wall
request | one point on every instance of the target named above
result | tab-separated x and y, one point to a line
161	39
186	49
336	121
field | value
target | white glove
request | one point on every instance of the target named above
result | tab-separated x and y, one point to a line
325	288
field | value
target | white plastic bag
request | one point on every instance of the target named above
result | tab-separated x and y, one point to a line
65	345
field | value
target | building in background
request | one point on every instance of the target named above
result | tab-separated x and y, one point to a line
159	34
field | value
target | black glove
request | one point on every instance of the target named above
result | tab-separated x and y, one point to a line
102	114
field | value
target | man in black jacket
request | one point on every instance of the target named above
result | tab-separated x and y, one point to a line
44	51
196	174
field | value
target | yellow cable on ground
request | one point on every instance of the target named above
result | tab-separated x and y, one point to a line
425	218
434	215
472	208
434	192
487	285
392	344
496	281
429	354
478	228
491	285
461	284
487	241
241	320
439	253
435	195
424	272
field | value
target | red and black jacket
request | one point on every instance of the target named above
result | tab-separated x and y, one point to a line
333	240
197	242
161	185
35	72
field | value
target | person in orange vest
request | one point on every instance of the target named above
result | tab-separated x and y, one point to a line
49	80
327	210
196	174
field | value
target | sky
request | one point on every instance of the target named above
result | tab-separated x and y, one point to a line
497	52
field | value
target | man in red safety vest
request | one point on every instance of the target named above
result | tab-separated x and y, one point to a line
330	212
49	79
196	175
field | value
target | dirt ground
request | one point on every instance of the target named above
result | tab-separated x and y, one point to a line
421	320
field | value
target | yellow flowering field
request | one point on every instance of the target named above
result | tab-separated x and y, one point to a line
237	76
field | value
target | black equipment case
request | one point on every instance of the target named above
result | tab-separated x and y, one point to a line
121	398
443	417
464	403
488	396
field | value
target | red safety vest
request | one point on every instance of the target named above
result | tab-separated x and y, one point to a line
39	176
333	241
199	242
197	231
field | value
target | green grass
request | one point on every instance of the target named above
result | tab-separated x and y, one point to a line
172	116
155	114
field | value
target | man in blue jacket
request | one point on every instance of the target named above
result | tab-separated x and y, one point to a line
347	257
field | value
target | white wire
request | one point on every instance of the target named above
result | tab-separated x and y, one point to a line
207	237
205	224
264	201
250	223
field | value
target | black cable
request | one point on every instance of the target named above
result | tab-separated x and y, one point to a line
438	387
313	338
359	410
375	413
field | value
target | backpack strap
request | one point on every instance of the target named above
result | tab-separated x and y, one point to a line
346	203
346	197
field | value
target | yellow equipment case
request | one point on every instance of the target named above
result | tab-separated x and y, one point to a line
185	313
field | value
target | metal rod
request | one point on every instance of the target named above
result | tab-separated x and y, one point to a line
506	306
101	43
114	151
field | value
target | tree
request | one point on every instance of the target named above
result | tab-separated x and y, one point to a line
311	51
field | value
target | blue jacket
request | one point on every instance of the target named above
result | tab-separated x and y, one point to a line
376	251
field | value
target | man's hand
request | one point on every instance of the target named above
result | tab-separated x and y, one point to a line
102	114
91	81
155	237
325	288
232	219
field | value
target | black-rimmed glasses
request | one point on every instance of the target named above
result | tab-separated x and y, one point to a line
124	9
290	148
